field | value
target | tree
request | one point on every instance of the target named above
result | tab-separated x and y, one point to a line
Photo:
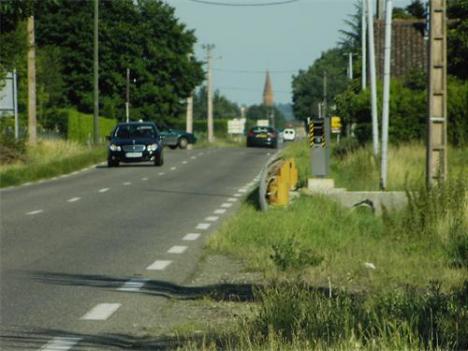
458	38
222	106
308	85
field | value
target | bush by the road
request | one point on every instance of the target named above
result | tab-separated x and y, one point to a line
47	159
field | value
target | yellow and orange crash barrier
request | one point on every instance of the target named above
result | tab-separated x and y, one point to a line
284	178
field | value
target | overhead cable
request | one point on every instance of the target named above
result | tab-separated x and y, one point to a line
244	4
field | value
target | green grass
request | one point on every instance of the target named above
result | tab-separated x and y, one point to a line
49	159
342	279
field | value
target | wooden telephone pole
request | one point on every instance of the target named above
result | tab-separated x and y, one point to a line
436	157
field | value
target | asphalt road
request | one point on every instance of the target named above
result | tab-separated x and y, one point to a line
88	260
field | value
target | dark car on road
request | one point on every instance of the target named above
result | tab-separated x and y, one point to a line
135	142
176	138
262	136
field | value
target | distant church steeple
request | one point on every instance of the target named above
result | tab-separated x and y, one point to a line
268	91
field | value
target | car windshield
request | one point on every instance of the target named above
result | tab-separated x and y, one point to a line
262	130
129	131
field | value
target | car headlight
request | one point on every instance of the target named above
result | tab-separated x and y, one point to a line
114	147
152	147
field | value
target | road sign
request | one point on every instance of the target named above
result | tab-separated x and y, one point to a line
263	123
336	125
236	126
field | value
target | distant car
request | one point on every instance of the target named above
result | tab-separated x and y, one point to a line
135	142
262	136
289	134
176	138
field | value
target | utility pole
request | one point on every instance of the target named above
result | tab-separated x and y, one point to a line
15	103
350	65
127	96
96	73
363	46
324	109
373	78
436	148
32	119
209	58
189	120
386	93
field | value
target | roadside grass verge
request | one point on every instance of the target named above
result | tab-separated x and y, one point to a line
345	279
50	158
357	169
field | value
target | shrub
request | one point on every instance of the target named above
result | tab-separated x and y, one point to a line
11	150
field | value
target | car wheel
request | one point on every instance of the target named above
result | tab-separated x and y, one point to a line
183	142
159	161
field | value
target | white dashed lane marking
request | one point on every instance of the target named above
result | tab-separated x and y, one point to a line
237	195
220	211
101	312
35	212
212	218
203	226
173	168
177	249
242	190
184	162
144	179
74	199
159	265
60	344
191	237
127	183
133	285
103	190
226	205
161	173
232	199
193	157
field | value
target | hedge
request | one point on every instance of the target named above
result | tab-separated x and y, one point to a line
80	126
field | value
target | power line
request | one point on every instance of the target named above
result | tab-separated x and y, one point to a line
254	72
255	4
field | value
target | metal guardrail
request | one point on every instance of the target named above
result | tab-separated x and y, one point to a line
278	176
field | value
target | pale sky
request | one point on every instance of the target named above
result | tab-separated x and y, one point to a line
283	39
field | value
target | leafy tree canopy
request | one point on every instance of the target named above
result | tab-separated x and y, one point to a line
142	35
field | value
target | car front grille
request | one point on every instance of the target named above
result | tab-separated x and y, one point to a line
131	148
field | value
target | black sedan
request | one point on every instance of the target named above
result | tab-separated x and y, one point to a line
262	136
135	142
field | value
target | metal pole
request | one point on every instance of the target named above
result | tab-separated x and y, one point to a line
373	79
324	110
127	96
32	119
209	47
96	73
386	93
189	122
15	104
436	157
363	46
350	66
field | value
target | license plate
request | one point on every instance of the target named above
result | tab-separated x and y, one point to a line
133	154
261	135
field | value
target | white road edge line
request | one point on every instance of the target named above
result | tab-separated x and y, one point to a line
35	212
101	312
60	344
191	236
212	218
177	249
237	195
220	211
232	199
74	199
103	190
203	226
133	285
226	205
158	265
